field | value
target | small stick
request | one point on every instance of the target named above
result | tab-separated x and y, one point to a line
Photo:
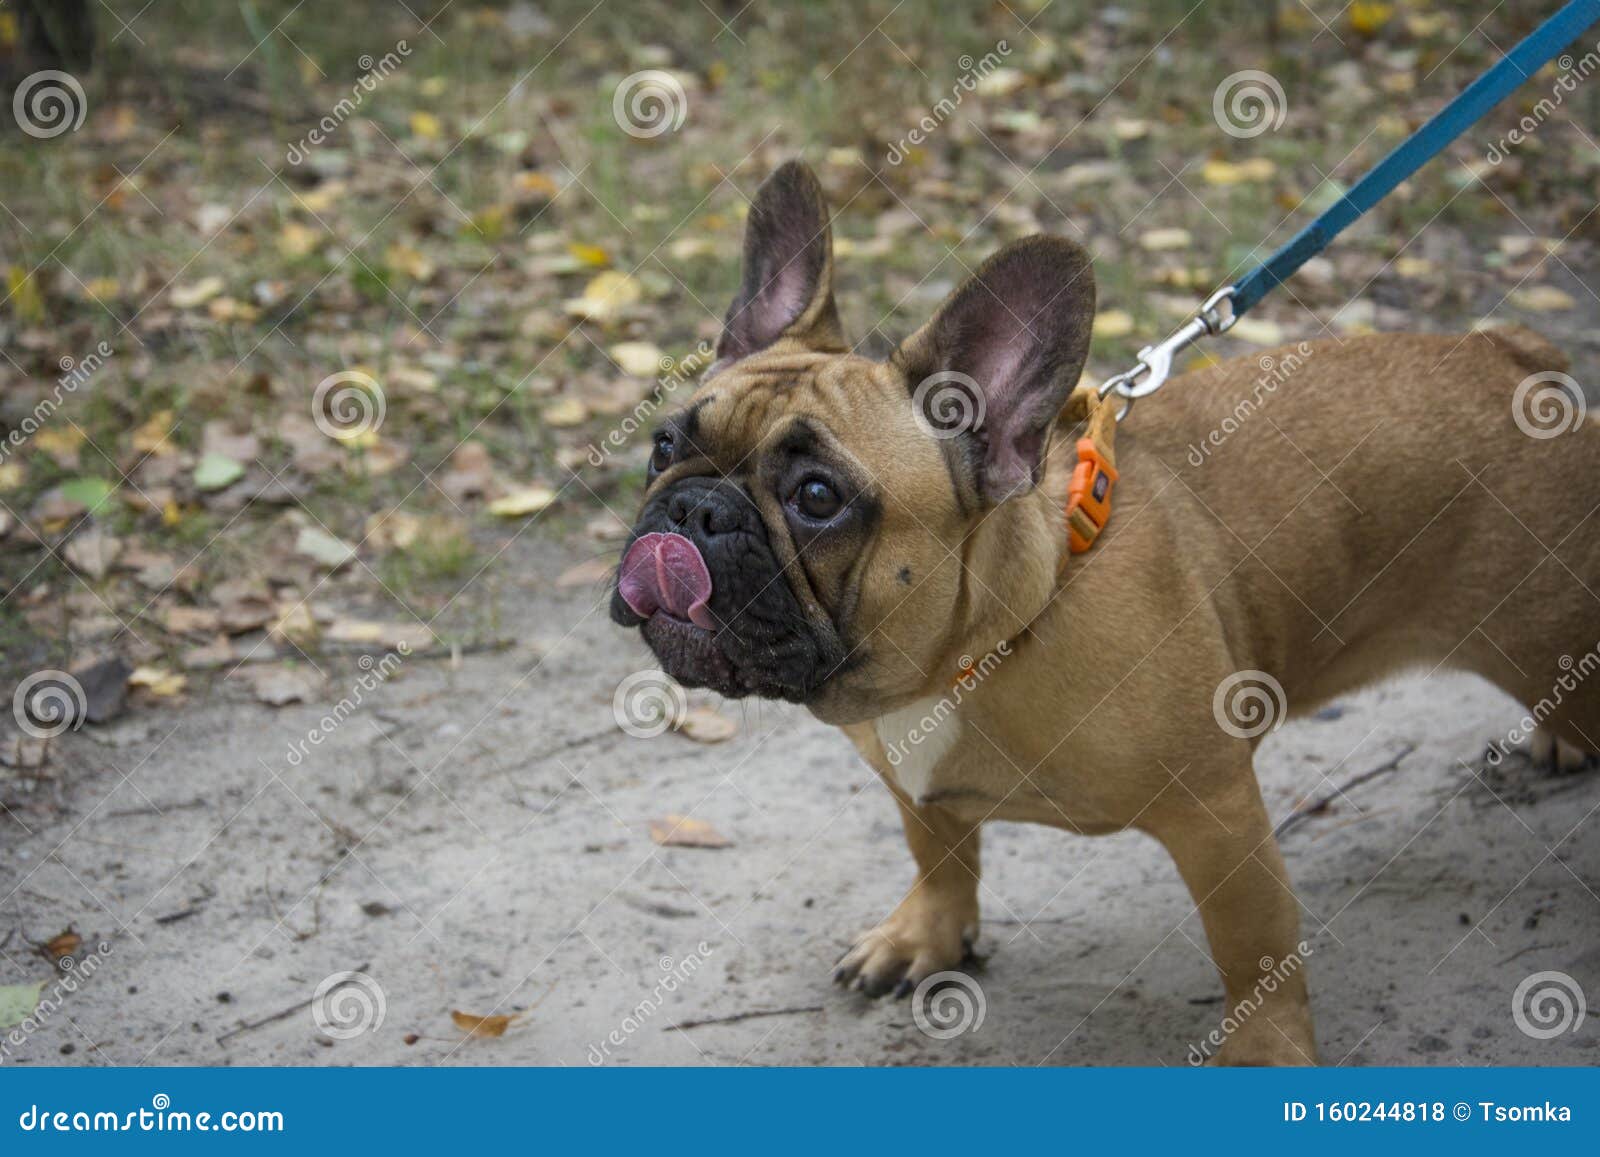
1318	806
285	1014
738	1016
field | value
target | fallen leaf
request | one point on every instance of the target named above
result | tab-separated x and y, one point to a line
1258	331
483	1026
191	620
426	125
88	493
683	832
522	502
707	725
606	296
1368	18
1542	298
590	255
324	548
1163	240
1228	173
585	573
217	472
92	551
63	944
196	293
280	685
17	1002
1113	323
154	436
565	412
158	681
415	636
637	359
406	260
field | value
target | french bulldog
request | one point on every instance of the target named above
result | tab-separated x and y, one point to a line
814	529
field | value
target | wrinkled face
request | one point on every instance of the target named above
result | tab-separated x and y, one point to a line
804	525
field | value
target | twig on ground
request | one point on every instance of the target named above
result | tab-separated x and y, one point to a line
285	1014
738	1016
1318	806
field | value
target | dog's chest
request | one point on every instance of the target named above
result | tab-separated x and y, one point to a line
915	739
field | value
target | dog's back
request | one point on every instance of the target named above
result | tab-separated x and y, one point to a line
1392	501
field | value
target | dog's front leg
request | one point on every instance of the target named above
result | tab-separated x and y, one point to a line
1228	857
933	928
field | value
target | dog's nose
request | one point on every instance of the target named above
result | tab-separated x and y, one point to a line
702	513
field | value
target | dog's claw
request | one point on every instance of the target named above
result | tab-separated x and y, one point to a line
903	989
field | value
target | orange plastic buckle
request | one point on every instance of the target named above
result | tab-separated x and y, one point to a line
1088	496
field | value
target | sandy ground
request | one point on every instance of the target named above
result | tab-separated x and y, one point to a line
477	839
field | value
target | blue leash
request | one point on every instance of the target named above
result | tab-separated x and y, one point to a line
1227	305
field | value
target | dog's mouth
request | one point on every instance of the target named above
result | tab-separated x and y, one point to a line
720	615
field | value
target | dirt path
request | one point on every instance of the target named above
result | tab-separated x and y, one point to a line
477	839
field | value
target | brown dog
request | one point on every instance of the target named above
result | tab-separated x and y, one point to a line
812	531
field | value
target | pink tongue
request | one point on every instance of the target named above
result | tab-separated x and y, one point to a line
665	572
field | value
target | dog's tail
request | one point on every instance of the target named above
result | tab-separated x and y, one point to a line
1528	349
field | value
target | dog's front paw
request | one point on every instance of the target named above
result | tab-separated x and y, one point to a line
924	935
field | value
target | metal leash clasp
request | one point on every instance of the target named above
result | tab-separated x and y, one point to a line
1154	364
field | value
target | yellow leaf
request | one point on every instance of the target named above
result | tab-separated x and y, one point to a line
1413	266
522	502
607	295
297	240
1368	17
1228	173
426	125
637	359
196	293
483	1026
12	475
153	437
171	514
406	260
158	681
1160	240
1113	323
564	412
101	288
535	184
591	255
683	832
26	301
1542	298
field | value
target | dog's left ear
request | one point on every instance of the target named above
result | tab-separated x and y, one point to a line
1018	333
787	287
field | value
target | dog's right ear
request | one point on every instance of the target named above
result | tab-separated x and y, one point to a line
787	287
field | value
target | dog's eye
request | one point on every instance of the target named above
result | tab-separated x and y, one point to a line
815	499
661	455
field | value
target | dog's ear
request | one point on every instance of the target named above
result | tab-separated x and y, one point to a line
1014	338
787	287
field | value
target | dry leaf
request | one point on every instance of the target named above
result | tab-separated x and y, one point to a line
483	1026
522	502
158	681
683	832
564	412
196	293
1542	298
637	359
1162	240
1113	323
64	944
